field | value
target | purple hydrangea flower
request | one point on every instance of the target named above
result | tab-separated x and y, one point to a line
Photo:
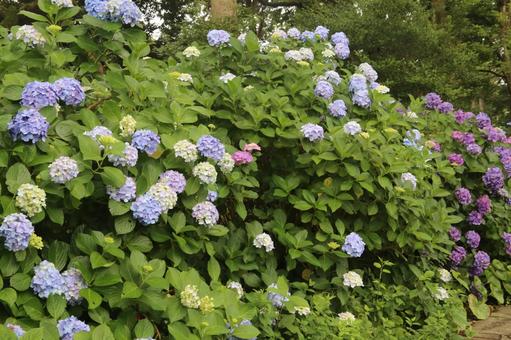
174	179
456	159
339	38
507	240
47	280
312	132
455	234
210	147
218	38
445	107
353	245
38	94
458	254
433	100
475	218
276	299
473	239
493	179
145	140
16	329
484	204
460	116
126	193
29	126
242	157
463	196
73	283
337	108
205	213
474	149
146	209
324	89
70	326
212	196
342	51
481	262
494	134
16	229
483	120
129	157
69	90
322	32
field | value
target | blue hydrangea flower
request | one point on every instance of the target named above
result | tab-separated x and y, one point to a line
126	193
38	94
324	89
312	132
130	13
340	38
212	196
333	77
307	35
294	33
337	108
413	139
96	8
73	283
205	213
69	90
357	82
16	229
361	98
47	280
342	51
29	126
353	245
70	326
63	169
98	131
145	140
322	32
129	158
210	147
174	179
276	299
368	71
16	329
146	209
218	37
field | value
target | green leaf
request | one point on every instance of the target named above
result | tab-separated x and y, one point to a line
56	305
107	26
246	332
89	148
8	295
118	208
124	224
34	16
17	175
56	215
93	298
102	332
213	269
480	309
33	334
144	329
20	282
97	260
130	291
58	253
113	176
252	42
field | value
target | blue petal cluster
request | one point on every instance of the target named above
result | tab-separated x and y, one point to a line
73	283
332	77
294	33
129	158
146	209
125	11
126	193
16	229
47	280
174	179
98	131
353	245
210	147
218	37
337	108
324	89
70	326
276	299
312	132
342	51
322	32
212	196
339	38
145	140
38	94
96	8
69	90
358	88
205	213
307	35
29	126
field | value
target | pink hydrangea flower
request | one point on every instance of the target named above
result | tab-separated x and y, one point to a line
242	157
251	147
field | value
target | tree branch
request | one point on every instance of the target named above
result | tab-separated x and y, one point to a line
492	72
284	3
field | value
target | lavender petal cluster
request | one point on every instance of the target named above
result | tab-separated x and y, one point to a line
210	147
125	11
322	32
146	209
125	193
493	179
324	89
433	100
16	229
218	38
463	196
339	38
63	169
312	132
353	245
455	234
38	94
474	149
481	263
212	196
205	213
457	256
484	204
359	90
69	91
368	71
445	107
70	326
30	36
73	283
475	218
342	51
332	77
456	159
473	239
47	280
276	299
129	157
145	140
294	33
174	179
494	134
337	108
29	126
307	36
507	241
461	117
483	120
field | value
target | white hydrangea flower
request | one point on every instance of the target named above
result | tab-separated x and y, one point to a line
30	199
293	55
30	36
441	294
227	77
306	53
190	297
186	150
445	275
352	279
242	37
346	316
234	285
62	3
352	128
303	311
185	77
205	172
264	240
191	51
164	195
226	164
411	115
328	53
368	71
408	178
127	125
382	89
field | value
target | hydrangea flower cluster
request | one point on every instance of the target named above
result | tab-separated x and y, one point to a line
69	91
332	77
461	116
294	33
97	132
493	179
210	147
324	89
174	179
129	157
206	172
212	196
463	196
341	42
226	164
472	239
481	263
18	331
507	241
63	169
368	71
38	94
47	280
16	229
242	157
218	38
455	234
456	159
322	32
127	125
337	108
226	77
164	195
312	132
346	316
483	120
359	90
70	326
236	286
483	204
145	140
30	199
445	275
352	279
146	209
353	245
352	128
475	218
276	299
125	11
73	282
186	150
412	139
63	3
125	193
29	126
191	51
30	36
264	240
190	297
206	304
435	102
441	294
409	179
457	256
205	213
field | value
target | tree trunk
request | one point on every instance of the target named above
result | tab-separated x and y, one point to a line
505	33
439	10
223	10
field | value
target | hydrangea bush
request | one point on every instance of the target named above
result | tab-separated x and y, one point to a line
242	189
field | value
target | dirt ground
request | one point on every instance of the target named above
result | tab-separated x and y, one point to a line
496	327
